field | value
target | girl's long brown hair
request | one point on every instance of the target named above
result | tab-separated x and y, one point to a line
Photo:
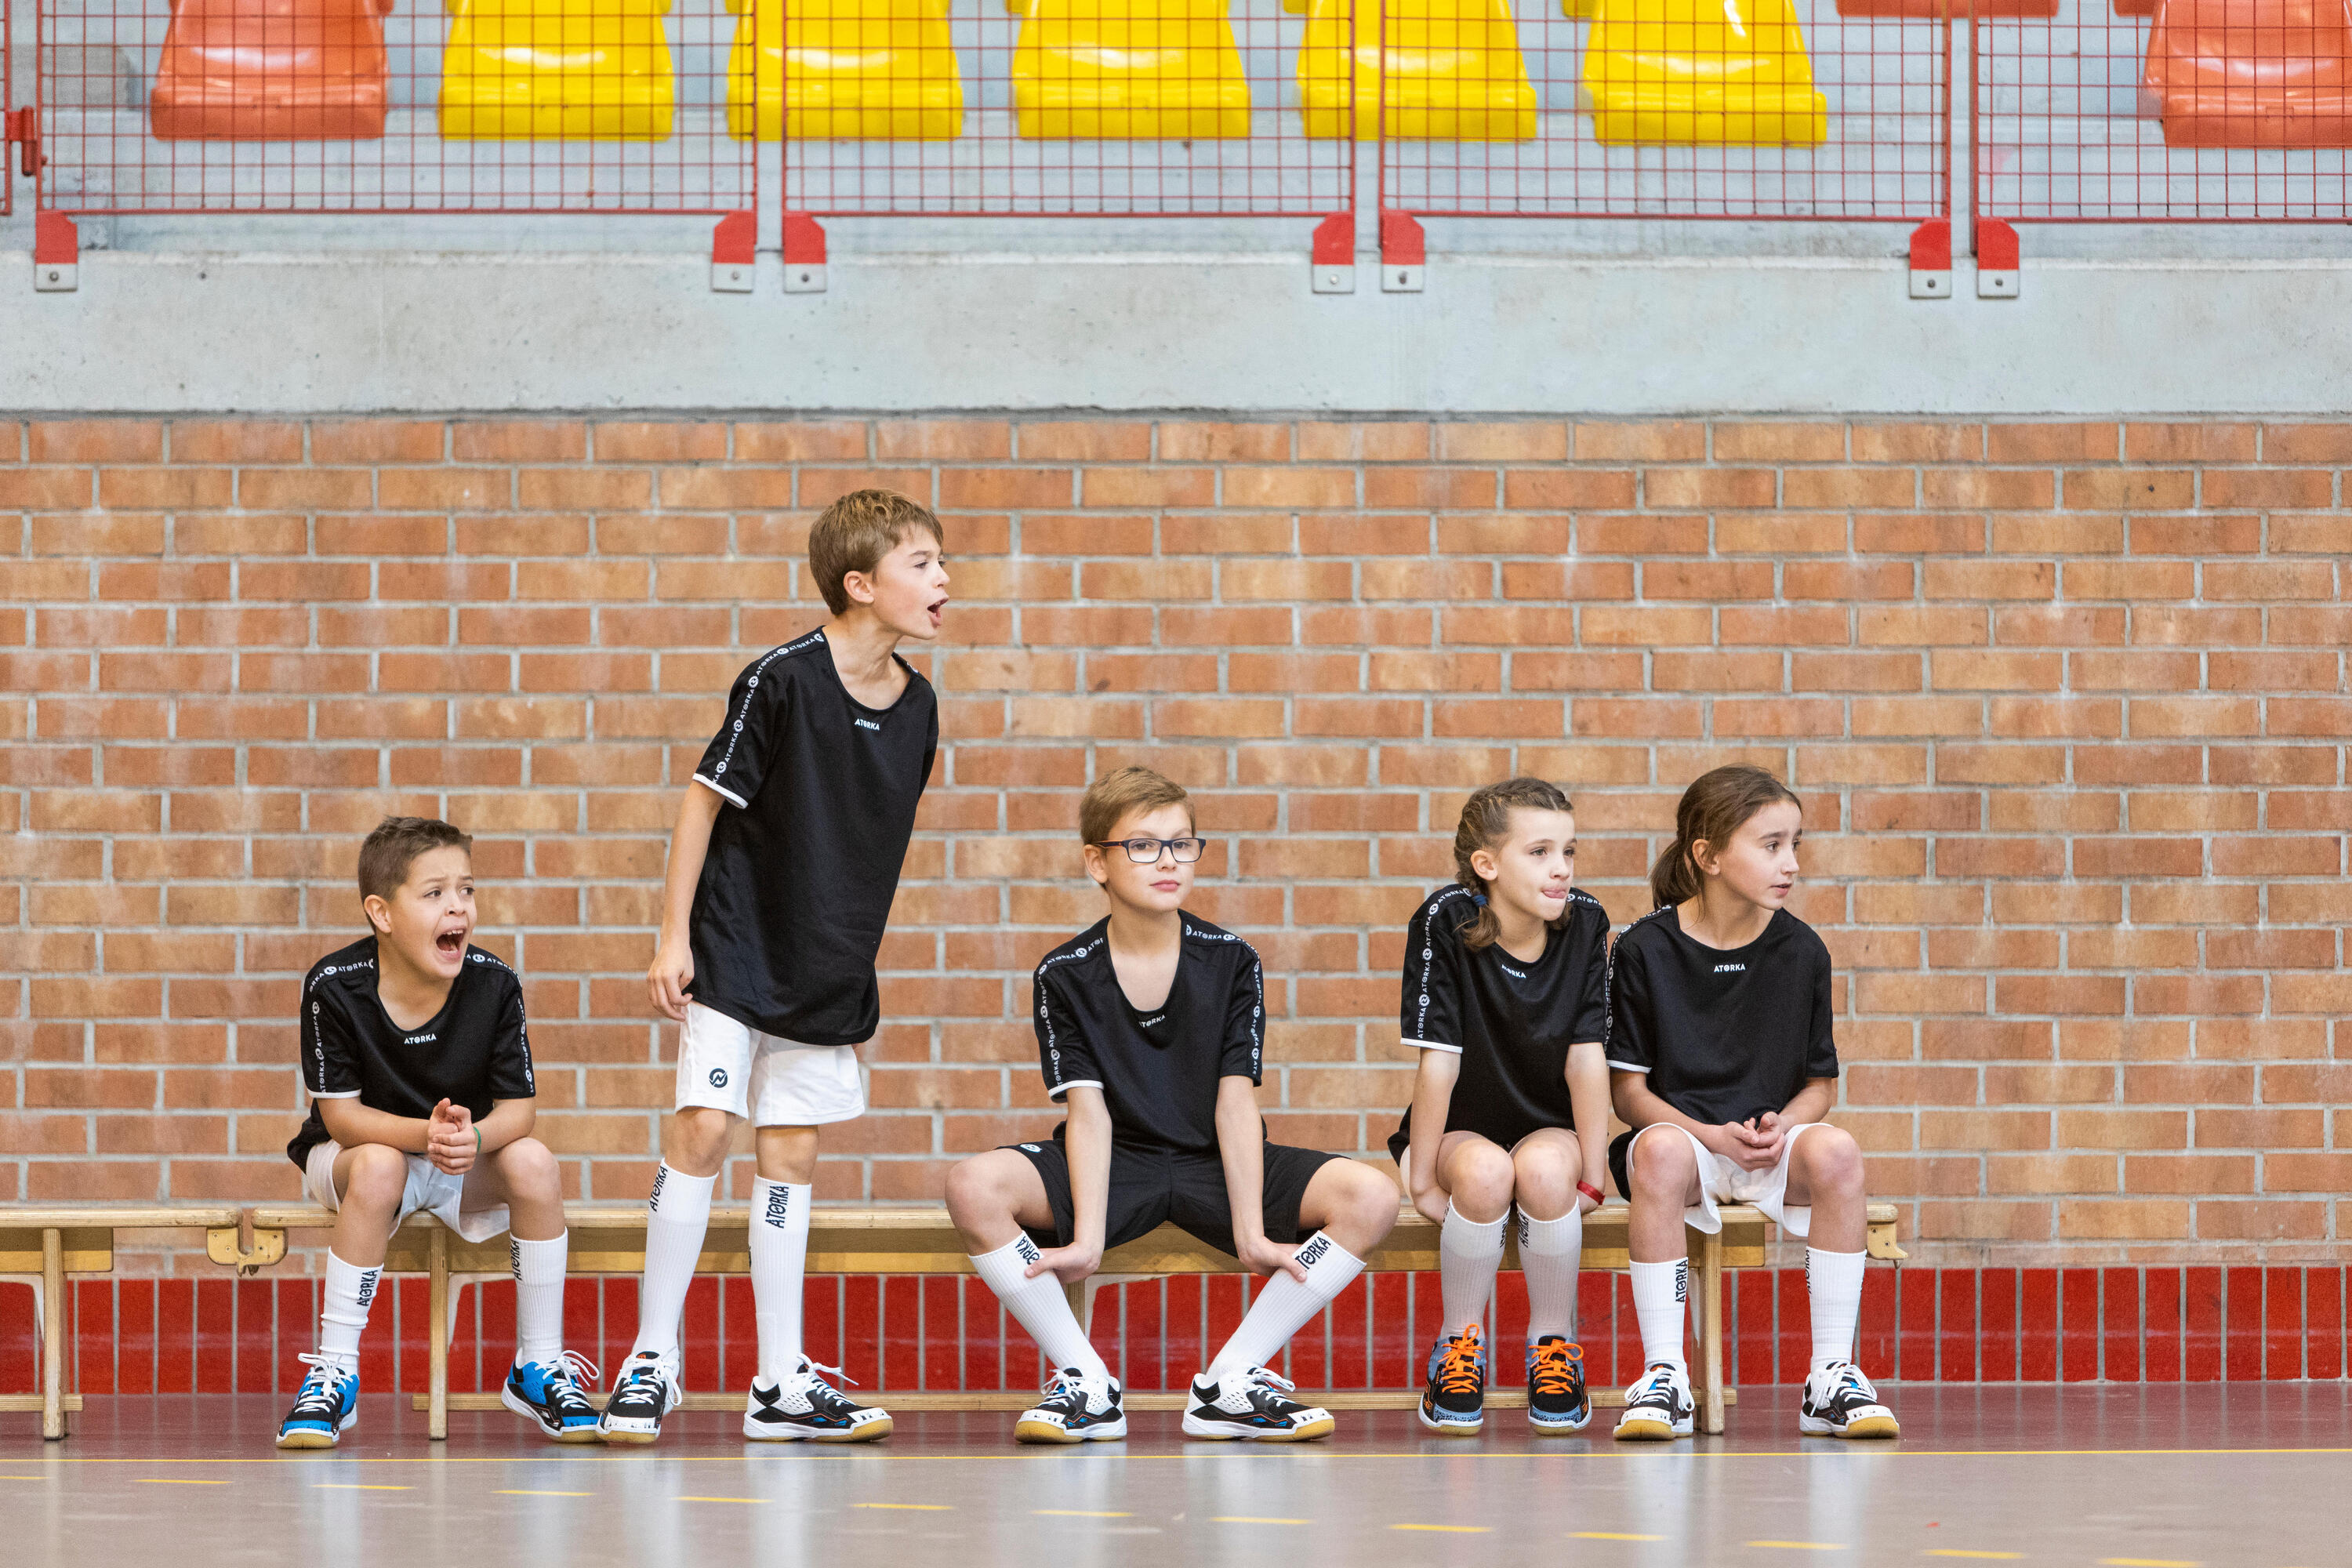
1486	822
1717	805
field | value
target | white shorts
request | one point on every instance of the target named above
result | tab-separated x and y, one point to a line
1721	1181
429	1189
768	1080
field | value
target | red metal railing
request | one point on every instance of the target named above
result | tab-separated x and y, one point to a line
2187	112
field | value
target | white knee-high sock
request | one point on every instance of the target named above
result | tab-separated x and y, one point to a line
1550	1251
1660	1293
676	1217
1040	1306
343	1311
1284	1305
1468	1253
1833	1291
780	1229
539	1270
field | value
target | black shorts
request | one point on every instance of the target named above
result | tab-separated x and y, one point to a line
1504	1135
1152	1185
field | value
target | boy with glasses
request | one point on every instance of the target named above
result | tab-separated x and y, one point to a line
1150	1029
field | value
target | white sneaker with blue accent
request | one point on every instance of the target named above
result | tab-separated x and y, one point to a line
550	1392
324	1406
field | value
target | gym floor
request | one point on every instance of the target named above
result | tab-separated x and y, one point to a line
2160	1477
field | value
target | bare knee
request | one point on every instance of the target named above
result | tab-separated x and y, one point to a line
1366	1206
1832	1161
528	1166
374	1179
1482	1183
1661	1167
1544	1181
698	1141
980	1198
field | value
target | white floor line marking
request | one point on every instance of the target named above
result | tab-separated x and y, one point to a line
356	1487
176	1481
1800	1545
1078	1513
516	1491
1251	1519
910	1507
1957	1552
1446	1529
722	1499
1609	1535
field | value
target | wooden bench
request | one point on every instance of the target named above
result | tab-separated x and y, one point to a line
611	1238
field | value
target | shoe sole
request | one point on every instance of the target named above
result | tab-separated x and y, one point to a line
863	1432
1558	1429
627	1438
1649	1431
1235	1433
311	1440
1869	1427
524	1408
1456	1427
1055	1432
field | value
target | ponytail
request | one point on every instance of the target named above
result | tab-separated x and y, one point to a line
1717	804
1485	822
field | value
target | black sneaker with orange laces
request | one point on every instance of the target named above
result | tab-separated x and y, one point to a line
1455	1402
1556	1400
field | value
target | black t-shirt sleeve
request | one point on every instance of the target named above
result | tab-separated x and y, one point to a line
1244	1051
511	1074
1632	1034
1820	1049
330	1059
735	764
1592	1006
1432	1015
1064	1053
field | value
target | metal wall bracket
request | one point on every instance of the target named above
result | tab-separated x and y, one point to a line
57	254
733	247
1334	258
1403	255
1996	248
1931	260
804	254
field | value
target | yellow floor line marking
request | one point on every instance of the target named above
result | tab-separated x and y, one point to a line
1609	1535
1245	1454
2148	1563
1957	1552
1078	1513
1447	1529
23	1478
513	1492
175	1481
1801	1546
1249	1519
911	1507
722	1499
357	1487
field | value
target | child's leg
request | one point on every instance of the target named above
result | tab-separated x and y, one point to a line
1545	1169
1664	1172
1825	1172
780	1229
1347	1209
677	1216
1477	1175
524	1177
369	1181
996	1199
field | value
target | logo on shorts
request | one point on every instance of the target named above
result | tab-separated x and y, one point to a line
718	1078
1308	1255
780	1204
1031	1149
1731	969
1025	1250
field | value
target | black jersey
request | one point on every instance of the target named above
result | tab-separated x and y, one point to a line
1510	1022
473	1052
1159	1070
1724	1035
796	887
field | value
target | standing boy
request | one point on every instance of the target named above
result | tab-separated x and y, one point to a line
418	1067
1150	1029
781	871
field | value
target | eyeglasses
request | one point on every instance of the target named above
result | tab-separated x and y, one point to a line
1144	851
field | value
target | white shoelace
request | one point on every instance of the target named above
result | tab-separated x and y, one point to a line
835	1372
325	1371
572	1365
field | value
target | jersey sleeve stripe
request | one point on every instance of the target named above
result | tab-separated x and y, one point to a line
1060	1089
1433	1046
339	1094
1629	1066
720	789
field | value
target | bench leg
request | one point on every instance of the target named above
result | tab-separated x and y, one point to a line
436	1331
53	1335
1710	1347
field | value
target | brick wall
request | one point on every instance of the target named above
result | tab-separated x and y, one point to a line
2067	703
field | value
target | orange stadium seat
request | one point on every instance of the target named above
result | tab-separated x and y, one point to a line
272	71
2252	73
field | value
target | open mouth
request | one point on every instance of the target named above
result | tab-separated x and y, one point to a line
451	943
937	610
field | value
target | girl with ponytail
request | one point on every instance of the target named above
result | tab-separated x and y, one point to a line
1722	1061
1504	975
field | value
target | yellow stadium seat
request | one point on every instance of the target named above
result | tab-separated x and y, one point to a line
1702	71
1130	70
1454	73
529	70
867	70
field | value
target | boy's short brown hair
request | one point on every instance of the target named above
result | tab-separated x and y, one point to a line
393	847
1110	797
855	533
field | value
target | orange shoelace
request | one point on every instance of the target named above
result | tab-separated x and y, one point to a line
1457	1363
1555	1367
